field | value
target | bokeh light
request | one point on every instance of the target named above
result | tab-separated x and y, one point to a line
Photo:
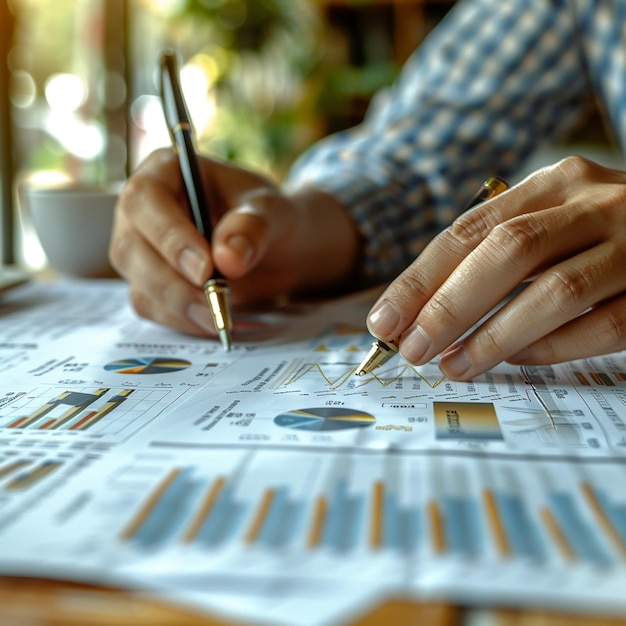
65	92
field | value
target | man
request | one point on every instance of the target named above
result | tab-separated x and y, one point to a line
491	84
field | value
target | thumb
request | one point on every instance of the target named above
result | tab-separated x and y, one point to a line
243	237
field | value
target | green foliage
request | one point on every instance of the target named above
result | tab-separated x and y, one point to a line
265	50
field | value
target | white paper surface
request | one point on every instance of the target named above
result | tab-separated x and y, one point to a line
271	483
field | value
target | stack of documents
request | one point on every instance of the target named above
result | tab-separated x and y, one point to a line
271	482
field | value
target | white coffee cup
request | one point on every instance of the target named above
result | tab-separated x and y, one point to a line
73	222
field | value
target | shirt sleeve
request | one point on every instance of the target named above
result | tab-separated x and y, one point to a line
487	87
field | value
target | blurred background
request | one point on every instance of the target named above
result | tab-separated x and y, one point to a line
263	80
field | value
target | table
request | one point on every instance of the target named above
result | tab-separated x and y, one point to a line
37	602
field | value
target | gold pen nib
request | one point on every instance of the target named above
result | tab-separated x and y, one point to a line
217	293
380	352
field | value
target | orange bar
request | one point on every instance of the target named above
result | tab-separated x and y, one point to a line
27	480
105	409
205	509
605	522
17	423
255	528
141	516
82	421
319	517
436	521
557	535
496	524
596	379
66	417
377	515
46	408
12	467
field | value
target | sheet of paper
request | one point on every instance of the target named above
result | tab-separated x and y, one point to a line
258	481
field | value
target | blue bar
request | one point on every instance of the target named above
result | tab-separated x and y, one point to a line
223	520
581	536
616	514
345	519
270	533
411	528
391	521
462	525
522	533
169	512
293	523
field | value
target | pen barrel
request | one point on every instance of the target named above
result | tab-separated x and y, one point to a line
217	293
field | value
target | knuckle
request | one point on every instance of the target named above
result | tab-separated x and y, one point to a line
170	241
519	239
575	167
610	331
408	286
491	341
611	205
443	310
407	290
469	229
567	288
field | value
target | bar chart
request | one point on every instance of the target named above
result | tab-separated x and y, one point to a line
86	409
22	473
411	506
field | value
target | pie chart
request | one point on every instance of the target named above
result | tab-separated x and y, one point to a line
147	365
324	418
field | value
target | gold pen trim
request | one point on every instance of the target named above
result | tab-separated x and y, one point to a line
217	292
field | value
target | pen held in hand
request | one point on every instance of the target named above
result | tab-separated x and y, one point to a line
381	351
216	289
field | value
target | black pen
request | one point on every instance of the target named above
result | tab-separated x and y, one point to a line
216	289
381	351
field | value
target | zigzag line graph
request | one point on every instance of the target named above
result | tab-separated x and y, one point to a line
383	378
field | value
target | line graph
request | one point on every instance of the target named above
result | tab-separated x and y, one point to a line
341	374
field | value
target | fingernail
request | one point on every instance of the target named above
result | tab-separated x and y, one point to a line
242	247
383	319
415	345
193	265
200	315
455	362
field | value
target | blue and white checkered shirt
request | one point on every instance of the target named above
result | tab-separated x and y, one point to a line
496	80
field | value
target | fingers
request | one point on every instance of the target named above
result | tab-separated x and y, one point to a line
565	223
151	209
549	311
509	254
272	244
600	331
156	248
162	297
397	308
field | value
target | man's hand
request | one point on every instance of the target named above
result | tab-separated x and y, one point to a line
565	225
266	243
